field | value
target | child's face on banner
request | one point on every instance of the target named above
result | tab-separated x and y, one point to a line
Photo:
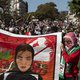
24	60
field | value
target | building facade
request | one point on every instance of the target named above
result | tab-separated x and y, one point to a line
18	7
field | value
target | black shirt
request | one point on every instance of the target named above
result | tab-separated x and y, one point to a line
20	76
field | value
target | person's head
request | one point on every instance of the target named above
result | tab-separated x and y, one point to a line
70	40
24	55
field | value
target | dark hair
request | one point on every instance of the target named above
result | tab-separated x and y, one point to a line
24	47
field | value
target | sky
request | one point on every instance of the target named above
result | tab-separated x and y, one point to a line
62	5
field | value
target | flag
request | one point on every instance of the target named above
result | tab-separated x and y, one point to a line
46	47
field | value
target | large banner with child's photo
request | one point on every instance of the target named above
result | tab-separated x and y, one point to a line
47	52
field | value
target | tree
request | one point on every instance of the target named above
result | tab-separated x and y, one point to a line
62	15
74	6
48	9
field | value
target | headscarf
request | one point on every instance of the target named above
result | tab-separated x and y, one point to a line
70	37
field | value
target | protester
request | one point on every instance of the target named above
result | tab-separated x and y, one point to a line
70	57
23	59
28	32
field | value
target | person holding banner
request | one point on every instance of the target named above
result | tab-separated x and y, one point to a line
23	60
70	57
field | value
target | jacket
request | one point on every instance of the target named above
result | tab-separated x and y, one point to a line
73	58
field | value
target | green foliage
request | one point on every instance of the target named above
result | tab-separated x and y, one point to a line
62	15
5	55
75	6
47	10
47	6
40	15
27	16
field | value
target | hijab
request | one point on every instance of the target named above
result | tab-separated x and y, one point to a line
70	40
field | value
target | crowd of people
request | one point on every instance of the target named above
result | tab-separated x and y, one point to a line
35	26
69	66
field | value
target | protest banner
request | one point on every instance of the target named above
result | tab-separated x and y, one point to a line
47	52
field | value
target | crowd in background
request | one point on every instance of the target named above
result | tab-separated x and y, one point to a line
34	27
37	27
